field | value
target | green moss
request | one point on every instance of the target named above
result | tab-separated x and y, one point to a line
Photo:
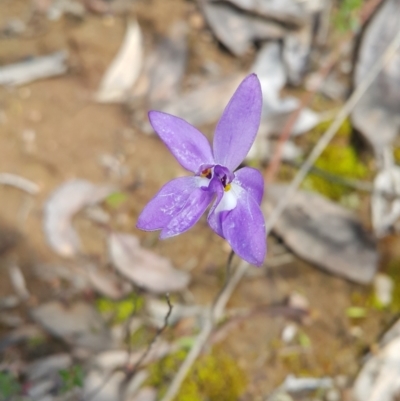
344	130
396	154
9	386
214	377
116	199
338	159
347	16
304	340
120	310
71	378
141	337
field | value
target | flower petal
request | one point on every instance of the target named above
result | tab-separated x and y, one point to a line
244	229
190	214
214	219
252	181
168	202
189	146
238	126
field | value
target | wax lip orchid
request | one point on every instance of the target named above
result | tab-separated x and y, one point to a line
235	214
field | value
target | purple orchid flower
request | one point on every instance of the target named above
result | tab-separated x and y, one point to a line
235	214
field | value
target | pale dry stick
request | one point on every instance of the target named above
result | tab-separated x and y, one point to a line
214	314
19	182
331	131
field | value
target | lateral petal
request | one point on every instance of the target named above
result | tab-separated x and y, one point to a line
239	123
252	181
244	228
190	214
167	203
189	146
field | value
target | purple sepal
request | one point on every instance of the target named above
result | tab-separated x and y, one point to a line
239	123
190	214
168	202
189	146
244	229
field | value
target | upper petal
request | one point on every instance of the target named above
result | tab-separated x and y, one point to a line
190	214
168	202
238	126
244	228
252	181
189	146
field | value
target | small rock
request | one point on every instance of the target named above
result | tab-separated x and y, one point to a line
298	301
384	287
196	21
289	333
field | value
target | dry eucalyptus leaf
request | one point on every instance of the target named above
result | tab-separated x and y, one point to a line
168	65
107	283
376	115
271	71
289	12
379	380
124	69
191	105
272	74
325	234
143	267
238	30
78	324
296	52
62	205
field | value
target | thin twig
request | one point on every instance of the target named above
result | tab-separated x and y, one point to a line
19	182
215	314
358	185
227	278
155	338
331	131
